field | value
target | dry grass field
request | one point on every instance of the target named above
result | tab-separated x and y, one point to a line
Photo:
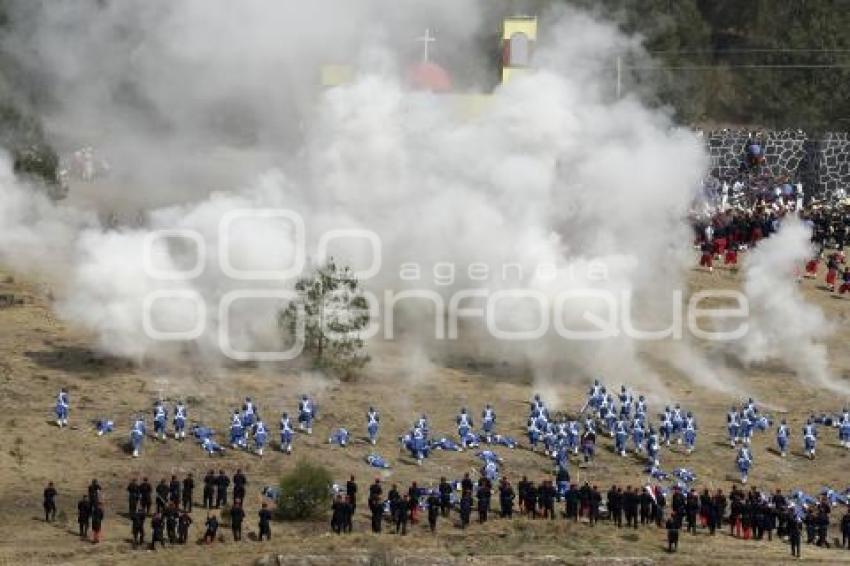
39	354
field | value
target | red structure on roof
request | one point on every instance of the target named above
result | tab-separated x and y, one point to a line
431	77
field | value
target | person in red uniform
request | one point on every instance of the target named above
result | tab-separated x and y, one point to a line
731	256
812	268
831	272
707	256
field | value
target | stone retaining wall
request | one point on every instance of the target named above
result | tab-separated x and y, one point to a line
821	163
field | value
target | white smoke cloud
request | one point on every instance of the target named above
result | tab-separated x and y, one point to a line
782	324
551	171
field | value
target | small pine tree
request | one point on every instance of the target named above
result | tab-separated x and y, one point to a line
305	492
333	313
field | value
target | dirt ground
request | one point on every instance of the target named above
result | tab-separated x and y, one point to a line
39	354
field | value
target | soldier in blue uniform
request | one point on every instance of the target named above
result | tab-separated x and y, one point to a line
488	422
464	427
666	426
625	402
652	447
160	419
305	414
137	435
286	433
533	433
62	408
249	414
678	423
640	408
733	426
782	434
621	436
745	462
690	432
260	436
372	422
237	431
844	429
180	415
810	438
638	434
745	428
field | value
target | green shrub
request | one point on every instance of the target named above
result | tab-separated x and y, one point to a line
305	492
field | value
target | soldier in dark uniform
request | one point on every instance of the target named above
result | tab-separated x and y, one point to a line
351	493
572	502
222	483
84	516
347	516
672	526
630	507
433	511
132	496
660	504
146	496
719	508
780	505
209	489
97	522
506	499
793	527
845	530
735	516
768	514
336	515
183	523
522	492
547	495
49	503
445	497
376	508
161	496
171	515
94	490
188	489
465	508
240	483
595	502
483	496
691	511
615	508
645	503
823	525
157	528
137	520
265	522
401	514
174	491
237	517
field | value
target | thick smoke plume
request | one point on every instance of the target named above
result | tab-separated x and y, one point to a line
207	107
782	325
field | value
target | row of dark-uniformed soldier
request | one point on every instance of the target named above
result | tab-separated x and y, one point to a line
634	504
751	515
173	524
141	495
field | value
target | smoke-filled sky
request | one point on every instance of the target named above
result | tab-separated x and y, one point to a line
206	107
